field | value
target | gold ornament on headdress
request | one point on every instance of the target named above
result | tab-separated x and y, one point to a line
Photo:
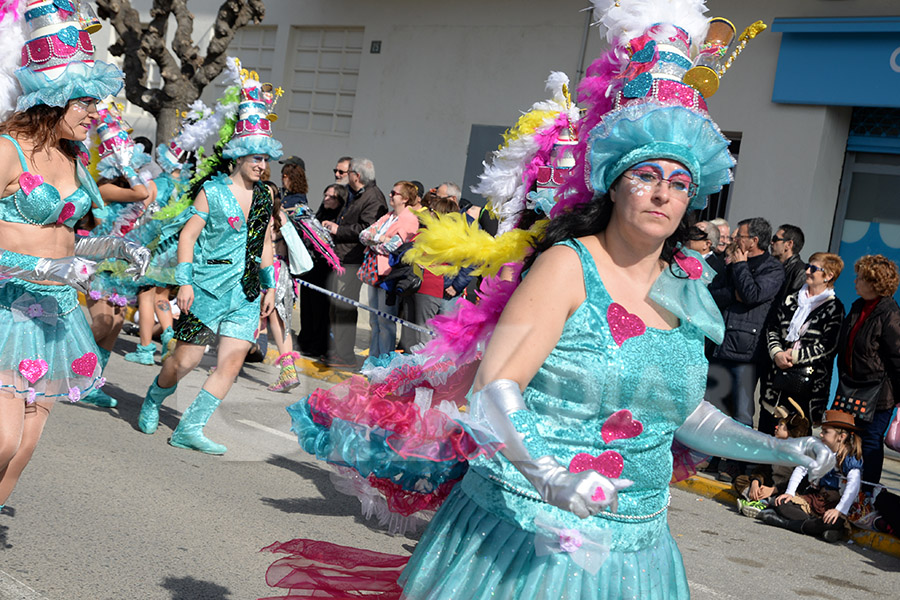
710	64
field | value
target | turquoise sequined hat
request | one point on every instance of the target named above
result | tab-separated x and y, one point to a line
57	59
655	113
253	130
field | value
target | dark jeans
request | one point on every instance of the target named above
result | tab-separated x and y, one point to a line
872	437
315	309
731	388
343	315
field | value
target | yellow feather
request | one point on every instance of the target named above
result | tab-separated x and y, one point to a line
527	124
448	242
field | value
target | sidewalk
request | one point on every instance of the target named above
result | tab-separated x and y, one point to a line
706	485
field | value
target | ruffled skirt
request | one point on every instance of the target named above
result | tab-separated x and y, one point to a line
468	552
47	351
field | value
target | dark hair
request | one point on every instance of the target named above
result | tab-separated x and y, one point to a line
593	218
344	159
40	124
296	175
328	214
792	233
276	202
118	180
695	234
441	206
760	229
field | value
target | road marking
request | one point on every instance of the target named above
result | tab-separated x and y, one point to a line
262	427
13	589
709	592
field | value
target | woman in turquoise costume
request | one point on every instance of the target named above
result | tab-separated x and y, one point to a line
153	293
47	352
126	196
224	262
587	398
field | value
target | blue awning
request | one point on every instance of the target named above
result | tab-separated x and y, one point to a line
845	61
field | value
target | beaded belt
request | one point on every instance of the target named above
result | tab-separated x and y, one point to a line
608	515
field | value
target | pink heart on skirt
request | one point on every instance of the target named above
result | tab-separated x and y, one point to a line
33	370
234	222
623	324
609	464
67	211
620	426
690	265
28	182
85	365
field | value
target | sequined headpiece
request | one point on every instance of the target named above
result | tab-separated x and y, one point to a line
116	147
57	58
253	130
659	109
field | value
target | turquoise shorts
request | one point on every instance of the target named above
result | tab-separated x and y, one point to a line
209	317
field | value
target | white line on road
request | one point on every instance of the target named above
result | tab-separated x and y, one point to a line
13	589
708	592
262	427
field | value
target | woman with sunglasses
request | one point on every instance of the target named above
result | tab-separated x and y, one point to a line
802	340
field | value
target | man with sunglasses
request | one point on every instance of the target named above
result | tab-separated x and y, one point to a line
786	245
342	170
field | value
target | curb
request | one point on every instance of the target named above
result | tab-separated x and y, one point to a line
723	494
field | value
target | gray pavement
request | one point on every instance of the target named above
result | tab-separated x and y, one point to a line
106	512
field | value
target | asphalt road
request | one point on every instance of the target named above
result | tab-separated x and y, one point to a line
106	512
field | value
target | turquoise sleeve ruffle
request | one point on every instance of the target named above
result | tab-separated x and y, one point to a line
78	80
687	296
253	144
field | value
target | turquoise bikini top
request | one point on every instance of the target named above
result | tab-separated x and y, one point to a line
38	203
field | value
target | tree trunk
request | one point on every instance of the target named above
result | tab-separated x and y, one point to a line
166	123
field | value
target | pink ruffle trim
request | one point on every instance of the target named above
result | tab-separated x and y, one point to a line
406	503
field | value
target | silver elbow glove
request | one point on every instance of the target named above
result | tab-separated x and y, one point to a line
584	494
710	431
103	247
73	271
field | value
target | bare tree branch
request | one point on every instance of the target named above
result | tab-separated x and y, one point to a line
184	71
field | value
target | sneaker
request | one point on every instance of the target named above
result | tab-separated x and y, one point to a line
750	508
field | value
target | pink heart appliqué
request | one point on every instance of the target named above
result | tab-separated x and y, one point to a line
33	370
28	182
85	365
691	265
609	464
235	222
621	425
67	211
623	324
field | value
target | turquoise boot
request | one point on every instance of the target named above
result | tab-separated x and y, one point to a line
98	397
166	337
189	433
143	355
148	420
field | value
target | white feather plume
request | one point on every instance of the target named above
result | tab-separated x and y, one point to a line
502	180
12	38
198	125
631	18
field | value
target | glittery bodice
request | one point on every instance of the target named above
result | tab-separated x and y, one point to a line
221	249
39	203
609	396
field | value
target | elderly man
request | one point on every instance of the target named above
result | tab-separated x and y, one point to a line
364	206
704	238
724	236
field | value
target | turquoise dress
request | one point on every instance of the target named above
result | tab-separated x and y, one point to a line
610	396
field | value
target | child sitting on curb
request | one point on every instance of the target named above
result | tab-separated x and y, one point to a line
756	491
823	509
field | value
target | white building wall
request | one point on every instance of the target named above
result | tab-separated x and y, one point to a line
446	66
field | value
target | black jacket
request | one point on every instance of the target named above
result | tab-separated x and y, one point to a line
794	277
814	356
744	296
876	348
356	216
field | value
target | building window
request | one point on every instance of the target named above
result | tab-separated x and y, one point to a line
324	70
255	47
